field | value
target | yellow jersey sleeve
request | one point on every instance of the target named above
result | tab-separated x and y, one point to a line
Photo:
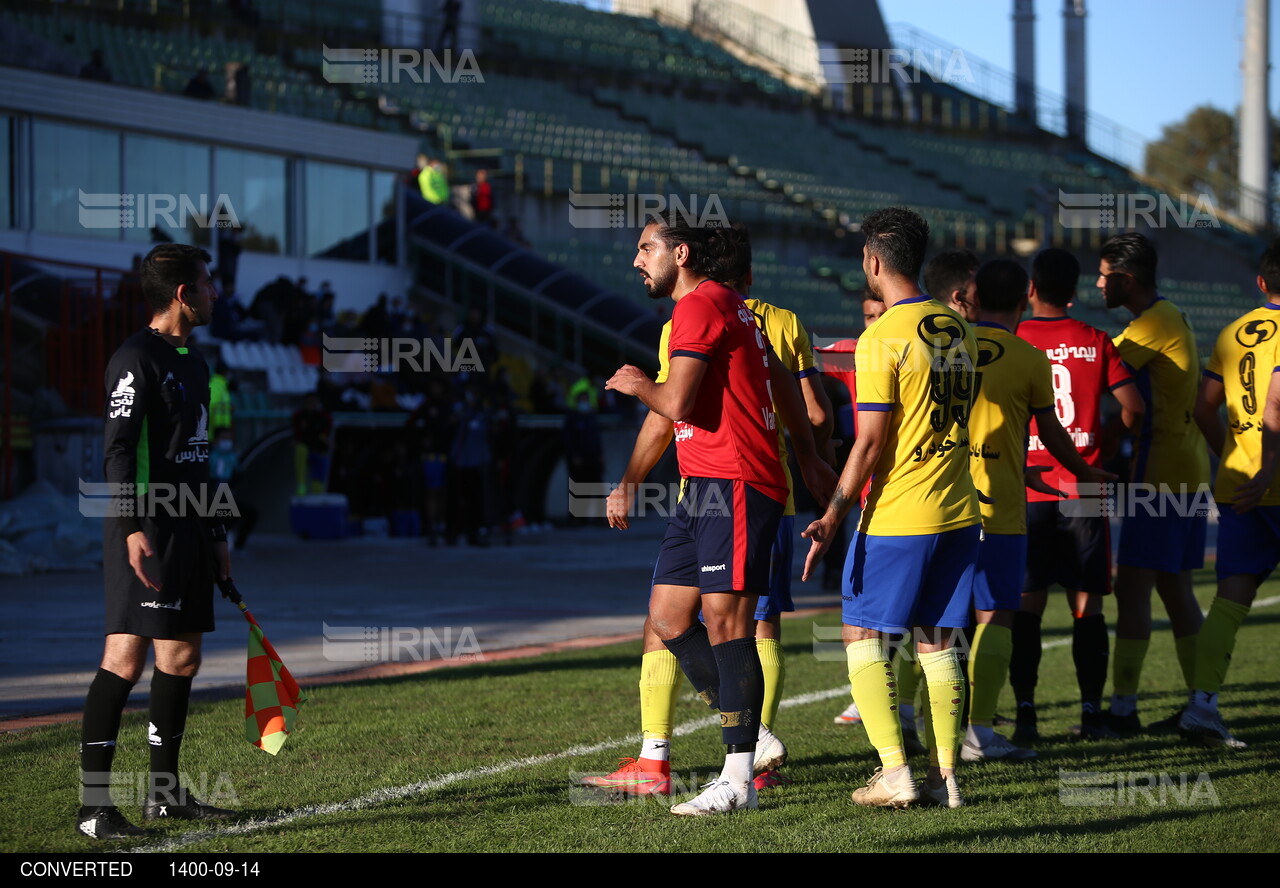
664	358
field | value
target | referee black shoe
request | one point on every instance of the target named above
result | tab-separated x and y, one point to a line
106	823
190	809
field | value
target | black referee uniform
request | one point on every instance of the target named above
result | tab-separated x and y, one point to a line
157	450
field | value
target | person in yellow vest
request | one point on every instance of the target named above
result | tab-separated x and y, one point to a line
432	180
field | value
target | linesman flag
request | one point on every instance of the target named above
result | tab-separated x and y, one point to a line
272	697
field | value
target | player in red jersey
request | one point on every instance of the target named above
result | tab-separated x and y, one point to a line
1068	541
716	553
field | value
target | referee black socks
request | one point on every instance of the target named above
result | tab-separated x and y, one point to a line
103	706
170	695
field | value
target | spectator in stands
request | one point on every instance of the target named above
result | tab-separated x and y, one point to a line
311	427
433	182
231	318
482	336
96	69
583	446
542	394
449	11
432	426
482	198
224	468
269	306
514	233
199	87
219	396
376	322
469	462
229	248
241	82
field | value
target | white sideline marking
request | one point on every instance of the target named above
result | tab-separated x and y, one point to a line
390	794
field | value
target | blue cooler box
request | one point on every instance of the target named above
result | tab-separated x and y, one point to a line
319	516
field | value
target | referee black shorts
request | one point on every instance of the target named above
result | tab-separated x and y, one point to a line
1070	550
184	566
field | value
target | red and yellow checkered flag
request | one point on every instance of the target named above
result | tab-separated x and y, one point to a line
272	697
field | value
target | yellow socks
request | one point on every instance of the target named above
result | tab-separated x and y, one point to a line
988	665
659	682
945	694
1186	647
775	674
875	691
1216	640
907	669
1126	659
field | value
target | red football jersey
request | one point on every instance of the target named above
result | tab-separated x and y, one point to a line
1085	365
838	363
732	431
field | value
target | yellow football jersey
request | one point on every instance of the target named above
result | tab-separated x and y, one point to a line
918	362
1243	360
790	341
1014	382
1161	348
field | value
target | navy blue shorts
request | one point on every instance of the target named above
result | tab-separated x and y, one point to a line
1163	532
1248	544
719	538
1073	551
1002	561
784	549
893	583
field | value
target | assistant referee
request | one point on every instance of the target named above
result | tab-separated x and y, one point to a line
160	557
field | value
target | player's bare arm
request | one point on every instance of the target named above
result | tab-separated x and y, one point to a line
1209	400
790	403
1063	449
1132	407
820	416
651	442
674	398
873	433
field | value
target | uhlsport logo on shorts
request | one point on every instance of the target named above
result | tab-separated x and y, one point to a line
891	65
398	644
627	210
1112	500
1134	789
148	209
398	65
110	499
398	354
1123	210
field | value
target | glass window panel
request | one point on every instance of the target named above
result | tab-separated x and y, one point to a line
170	178
71	161
337	202
6	173
385	186
256	185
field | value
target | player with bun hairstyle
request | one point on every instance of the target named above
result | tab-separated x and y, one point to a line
715	555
